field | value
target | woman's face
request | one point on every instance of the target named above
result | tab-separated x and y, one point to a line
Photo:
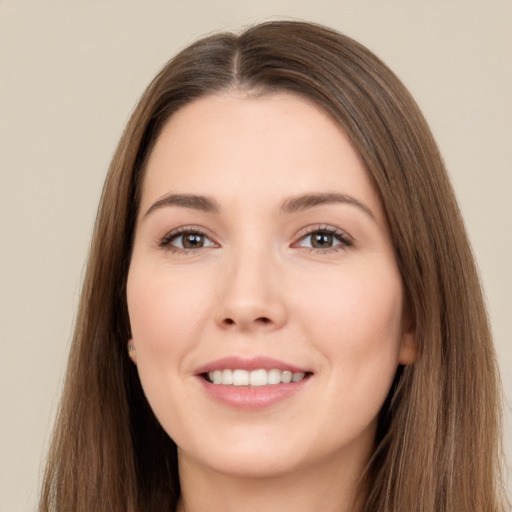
261	255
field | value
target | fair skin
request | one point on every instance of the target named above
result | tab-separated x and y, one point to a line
262	244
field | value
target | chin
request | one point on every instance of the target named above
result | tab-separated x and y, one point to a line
248	465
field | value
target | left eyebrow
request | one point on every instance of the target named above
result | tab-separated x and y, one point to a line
306	201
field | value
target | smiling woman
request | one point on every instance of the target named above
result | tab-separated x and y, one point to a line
281	309
290	276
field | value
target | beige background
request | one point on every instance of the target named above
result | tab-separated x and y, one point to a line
70	74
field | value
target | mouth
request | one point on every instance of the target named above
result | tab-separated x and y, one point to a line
253	378
254	383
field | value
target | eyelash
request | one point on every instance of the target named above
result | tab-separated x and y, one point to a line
345	240
342	237
165	242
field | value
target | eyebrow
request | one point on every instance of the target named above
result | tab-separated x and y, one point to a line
306	201
202	203
291	205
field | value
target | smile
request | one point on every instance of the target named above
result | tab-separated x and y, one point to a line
254	383
253	378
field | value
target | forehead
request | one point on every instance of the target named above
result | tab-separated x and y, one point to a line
270	145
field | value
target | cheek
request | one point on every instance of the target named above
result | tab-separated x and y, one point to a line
356	318
166	312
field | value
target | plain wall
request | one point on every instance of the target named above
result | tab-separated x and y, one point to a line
70	74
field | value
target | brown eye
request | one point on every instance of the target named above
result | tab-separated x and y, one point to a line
192	240
321	240
187	240
325	239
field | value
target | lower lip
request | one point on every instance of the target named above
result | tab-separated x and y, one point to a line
252	398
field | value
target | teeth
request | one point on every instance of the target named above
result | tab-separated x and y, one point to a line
274	377
240	378
286	377
227	377
258	378
254	378
297	376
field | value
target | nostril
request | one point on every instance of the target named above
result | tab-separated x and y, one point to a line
260	320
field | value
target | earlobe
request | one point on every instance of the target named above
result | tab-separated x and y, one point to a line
132	352
408	349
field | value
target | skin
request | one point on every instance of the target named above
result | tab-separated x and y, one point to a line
257	287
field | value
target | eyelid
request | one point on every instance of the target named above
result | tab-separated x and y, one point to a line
165	241
342	236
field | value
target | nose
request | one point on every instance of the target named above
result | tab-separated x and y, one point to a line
251	297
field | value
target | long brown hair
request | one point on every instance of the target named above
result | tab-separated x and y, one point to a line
438	439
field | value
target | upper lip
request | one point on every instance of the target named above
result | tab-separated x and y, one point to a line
249	363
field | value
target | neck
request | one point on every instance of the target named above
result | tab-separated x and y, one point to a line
330	489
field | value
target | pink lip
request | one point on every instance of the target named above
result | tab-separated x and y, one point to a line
248	398
253	363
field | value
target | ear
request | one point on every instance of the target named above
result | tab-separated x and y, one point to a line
132	353
408	348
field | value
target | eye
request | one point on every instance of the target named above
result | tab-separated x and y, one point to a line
324	239
186	239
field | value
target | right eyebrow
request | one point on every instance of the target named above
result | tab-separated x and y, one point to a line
203	203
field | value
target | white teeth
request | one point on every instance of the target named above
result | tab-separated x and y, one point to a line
258	378
274	377
286	377
240	378
254	378
297	376
227	377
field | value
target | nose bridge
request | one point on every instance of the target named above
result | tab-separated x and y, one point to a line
250	296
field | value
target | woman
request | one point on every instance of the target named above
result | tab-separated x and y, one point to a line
281	308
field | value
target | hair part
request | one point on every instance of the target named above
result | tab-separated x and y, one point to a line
438	439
